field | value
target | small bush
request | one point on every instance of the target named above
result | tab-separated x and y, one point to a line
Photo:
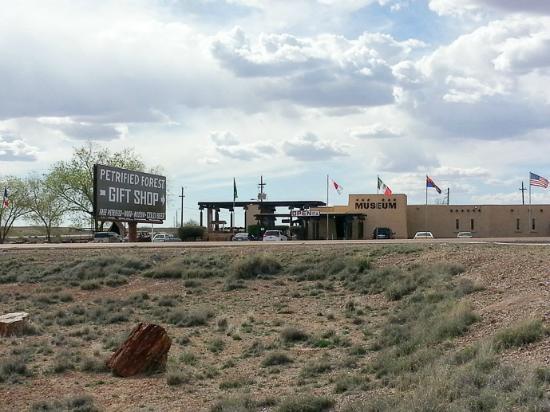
175	378
216	345
521	334
235	383
253	266
75	404
96	365
242	403
306	403
12	369
292	334
316	368
190	318
276	358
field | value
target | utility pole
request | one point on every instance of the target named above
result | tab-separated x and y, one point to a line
448	196
522	190
261	186
181	215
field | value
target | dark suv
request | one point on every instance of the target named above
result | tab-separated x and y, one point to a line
382	233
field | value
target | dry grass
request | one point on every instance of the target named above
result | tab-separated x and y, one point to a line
286	330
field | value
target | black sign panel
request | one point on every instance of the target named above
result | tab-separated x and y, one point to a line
121	194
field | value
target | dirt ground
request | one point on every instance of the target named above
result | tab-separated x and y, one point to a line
515	284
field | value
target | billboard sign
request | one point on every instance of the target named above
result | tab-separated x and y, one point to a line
126	195
305	213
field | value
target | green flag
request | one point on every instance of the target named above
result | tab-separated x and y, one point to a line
234	190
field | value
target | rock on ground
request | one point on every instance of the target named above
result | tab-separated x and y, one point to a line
145	351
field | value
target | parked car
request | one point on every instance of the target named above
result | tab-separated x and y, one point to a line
274	236
107	237
243	236
423	235
382	233
165	237
464	235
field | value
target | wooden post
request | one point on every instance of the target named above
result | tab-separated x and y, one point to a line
132	232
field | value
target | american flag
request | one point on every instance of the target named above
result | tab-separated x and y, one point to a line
5	200
536	180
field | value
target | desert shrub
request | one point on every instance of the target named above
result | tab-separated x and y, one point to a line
233	284
63	362
253	266
98	267
292	334
216	345
254	350
188	358
93	364
240	403
235	383
455	322
179	377
193	266
189	318
315	368
13	369
521	334
115	280
82	403
276	358
306	403
346	383
90	285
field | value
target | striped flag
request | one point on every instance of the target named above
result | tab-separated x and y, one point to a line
6	200
431	183
536	180
382	186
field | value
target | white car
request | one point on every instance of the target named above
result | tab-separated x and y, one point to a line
274	236
423	235
464	235
165	237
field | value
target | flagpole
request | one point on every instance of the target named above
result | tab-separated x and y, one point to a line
327	209
529	223
426	207
377	184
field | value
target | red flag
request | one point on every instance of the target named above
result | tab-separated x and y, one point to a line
338	187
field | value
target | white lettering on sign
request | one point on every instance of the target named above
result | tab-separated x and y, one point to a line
116	176
142	197
305	213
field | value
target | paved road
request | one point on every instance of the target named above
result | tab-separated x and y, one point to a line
507	241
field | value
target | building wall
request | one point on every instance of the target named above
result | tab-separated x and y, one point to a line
489	220
405	220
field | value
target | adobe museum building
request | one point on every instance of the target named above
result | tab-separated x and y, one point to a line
365	212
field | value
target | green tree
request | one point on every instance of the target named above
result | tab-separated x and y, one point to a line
46	207
72	180
18	204
190	231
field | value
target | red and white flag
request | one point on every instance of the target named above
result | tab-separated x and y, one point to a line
338	187
382	186
5	200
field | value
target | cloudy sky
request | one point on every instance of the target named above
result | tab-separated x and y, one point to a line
291	89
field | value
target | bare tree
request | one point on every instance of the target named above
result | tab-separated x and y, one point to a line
46	207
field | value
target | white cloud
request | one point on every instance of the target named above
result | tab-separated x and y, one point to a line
321	71
310	148
224	138
477	7
15	149
375	131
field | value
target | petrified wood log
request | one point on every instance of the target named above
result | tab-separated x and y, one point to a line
13	323
145	351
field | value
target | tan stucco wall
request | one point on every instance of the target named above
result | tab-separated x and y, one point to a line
405	220
489	220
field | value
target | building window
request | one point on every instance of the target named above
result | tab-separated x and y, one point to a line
471	224
533	224
517	224
457	224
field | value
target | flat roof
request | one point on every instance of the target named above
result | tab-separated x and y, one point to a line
268	203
